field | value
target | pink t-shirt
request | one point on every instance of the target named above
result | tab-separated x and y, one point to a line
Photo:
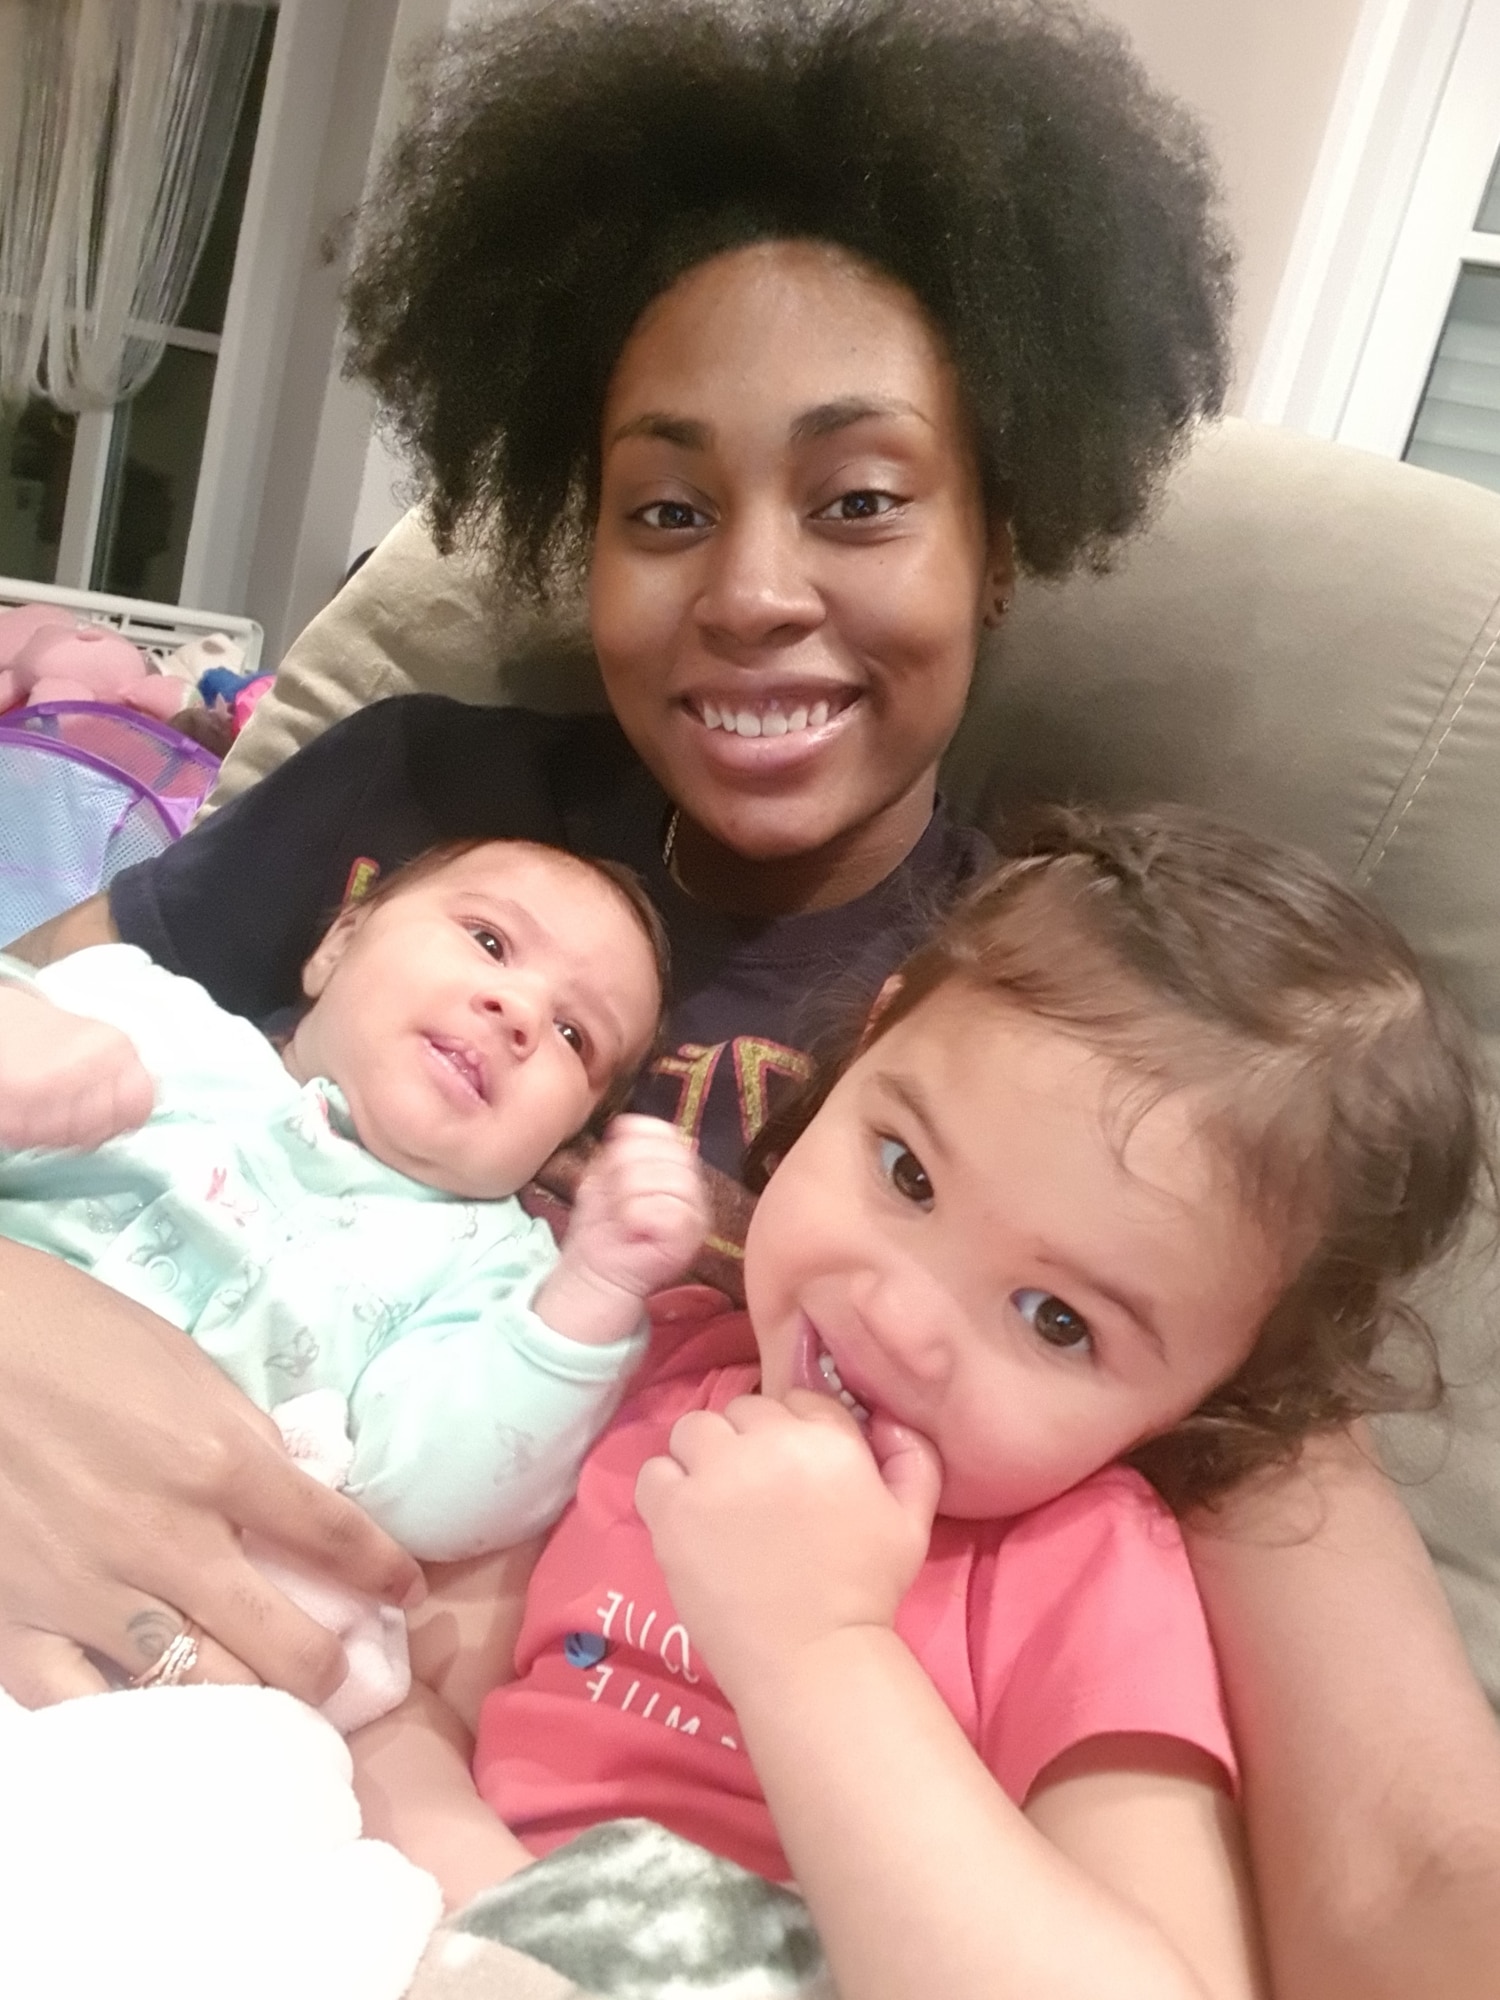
1078	1620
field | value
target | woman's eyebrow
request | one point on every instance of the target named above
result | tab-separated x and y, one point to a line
685	431
838	415
823	420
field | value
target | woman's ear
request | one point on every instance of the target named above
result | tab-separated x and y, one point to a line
336	940
878	1006
999	575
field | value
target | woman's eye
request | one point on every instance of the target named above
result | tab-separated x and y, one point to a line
573	1037
1052	1319
674	516
488	940
861	505
905	1173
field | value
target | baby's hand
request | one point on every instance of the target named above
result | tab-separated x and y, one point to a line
638	1217
65	1080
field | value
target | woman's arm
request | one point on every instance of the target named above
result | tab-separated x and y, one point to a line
129	1465
1371	1759
411	1768
86	923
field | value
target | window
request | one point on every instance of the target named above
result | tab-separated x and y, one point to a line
1457	427
1386	332
105	500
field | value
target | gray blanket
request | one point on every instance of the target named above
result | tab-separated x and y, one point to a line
628	1911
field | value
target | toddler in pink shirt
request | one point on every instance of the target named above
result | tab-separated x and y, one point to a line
877	1587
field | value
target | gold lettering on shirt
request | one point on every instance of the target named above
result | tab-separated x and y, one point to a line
755	1062
695	1063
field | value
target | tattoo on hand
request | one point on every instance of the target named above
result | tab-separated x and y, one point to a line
151	1632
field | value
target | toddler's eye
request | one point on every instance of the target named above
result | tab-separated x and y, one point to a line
672	515
488	940
572	1036
905	1173
1052	1319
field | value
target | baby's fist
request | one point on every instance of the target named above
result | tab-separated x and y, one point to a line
65	1080
638	1218
640	1212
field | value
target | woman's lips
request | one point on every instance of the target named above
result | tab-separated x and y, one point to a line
738	739
786	713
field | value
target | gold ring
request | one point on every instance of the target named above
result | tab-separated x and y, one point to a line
176	1661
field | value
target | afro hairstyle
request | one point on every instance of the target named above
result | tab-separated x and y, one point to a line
567	161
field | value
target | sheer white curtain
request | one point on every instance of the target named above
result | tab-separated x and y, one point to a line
113	163
35	37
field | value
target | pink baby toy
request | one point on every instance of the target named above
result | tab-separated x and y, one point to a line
60	659
18	624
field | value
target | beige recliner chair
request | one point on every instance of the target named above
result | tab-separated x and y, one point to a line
1306	640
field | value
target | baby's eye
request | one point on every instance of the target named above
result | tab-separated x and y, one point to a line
574	1037
671	515
488	940
1052	1319
864	504
905	1173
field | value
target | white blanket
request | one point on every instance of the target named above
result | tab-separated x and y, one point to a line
195	1840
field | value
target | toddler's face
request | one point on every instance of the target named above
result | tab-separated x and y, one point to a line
970	1238
474	1020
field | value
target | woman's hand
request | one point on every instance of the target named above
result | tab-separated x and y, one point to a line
778	1524
128	1468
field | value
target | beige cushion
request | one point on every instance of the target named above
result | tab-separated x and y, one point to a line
1307	640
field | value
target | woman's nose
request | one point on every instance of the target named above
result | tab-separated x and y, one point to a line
758	588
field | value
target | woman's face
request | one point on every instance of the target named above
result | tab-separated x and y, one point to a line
791	562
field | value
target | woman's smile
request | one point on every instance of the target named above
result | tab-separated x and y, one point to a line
758	735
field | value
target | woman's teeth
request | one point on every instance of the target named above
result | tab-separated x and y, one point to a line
831	1376
770	720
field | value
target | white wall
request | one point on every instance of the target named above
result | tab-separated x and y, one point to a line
1262	74
322	471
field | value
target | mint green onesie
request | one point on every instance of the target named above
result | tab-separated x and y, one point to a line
246	1213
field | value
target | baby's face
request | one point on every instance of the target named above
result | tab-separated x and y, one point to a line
474	1020
971	1238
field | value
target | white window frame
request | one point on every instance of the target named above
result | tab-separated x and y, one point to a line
1387	224
274	244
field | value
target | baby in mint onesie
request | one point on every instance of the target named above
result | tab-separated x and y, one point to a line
339	1214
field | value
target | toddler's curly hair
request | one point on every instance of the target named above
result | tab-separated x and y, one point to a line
1005	160
1340	1086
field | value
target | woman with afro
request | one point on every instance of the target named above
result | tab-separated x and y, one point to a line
796	326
